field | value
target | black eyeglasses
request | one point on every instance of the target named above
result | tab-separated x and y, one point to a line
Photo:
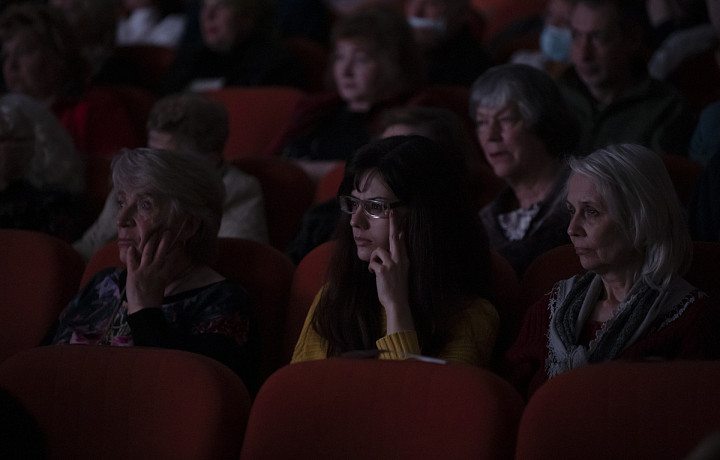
375	209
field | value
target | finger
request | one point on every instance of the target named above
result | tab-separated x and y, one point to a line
393	235
376	260
397	245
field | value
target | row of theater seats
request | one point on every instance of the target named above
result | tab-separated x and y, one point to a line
142	403
34	293
88	398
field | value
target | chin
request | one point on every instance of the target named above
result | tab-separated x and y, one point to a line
364	254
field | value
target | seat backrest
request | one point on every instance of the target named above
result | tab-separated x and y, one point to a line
266	274
506	287
684	173
545	270
152	61
307	280
329	184
362	409
257	116
288	192
39	275
140	403
562	263
704	273
658	410
314	57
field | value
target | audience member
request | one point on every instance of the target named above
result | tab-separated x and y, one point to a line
239	47
41	185
166	295
553	55
375	65
194	123
451	42
609	90
526	132
632	304
93	23
150	22
704	207
440	125
410	273
42	58
669	16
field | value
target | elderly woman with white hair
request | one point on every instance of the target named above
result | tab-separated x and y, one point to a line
167	295
632	303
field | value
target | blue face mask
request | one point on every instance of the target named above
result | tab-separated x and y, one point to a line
555	43
436	25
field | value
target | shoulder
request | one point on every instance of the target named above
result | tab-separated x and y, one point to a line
234	178
479	311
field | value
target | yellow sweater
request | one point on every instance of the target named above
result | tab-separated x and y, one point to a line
471	341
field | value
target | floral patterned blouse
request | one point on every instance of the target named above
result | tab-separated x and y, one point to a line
214	320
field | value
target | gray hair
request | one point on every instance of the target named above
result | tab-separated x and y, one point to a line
53	162
190	182
538	99
635	185
198	122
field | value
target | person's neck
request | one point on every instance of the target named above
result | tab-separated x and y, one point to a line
534	188
181	278
604	95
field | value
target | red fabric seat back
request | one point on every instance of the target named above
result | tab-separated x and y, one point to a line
39	275
372	409
130	403
288	192
658	410
257	116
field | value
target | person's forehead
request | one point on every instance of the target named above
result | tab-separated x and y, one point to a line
587	17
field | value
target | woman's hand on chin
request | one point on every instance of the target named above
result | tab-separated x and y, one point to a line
148	272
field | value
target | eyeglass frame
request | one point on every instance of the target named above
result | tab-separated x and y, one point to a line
386	206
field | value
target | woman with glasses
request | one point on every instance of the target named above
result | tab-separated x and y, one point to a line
409	275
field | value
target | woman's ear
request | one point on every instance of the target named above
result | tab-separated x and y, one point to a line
187	229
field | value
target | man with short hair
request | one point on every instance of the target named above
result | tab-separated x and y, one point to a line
608	87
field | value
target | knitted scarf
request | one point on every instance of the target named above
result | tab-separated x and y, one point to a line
572	303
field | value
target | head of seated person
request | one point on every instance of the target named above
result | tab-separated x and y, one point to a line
167	209
409	261
609	45
225	23
190	122
41	181
374	58
634	246
526	131
442	126
167	294
42	56
632	302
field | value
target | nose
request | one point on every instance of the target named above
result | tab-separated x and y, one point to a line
358	219
126	216
494	131
584	48
574	228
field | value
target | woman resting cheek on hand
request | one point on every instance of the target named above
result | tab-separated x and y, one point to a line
167	295
410	272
